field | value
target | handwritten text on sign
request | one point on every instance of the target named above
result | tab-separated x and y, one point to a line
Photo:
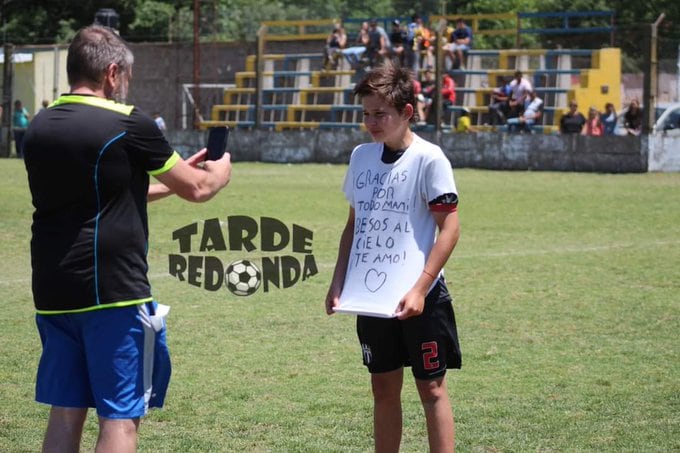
380	266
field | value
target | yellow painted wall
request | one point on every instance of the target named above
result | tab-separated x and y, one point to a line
35	80
46	86
601	83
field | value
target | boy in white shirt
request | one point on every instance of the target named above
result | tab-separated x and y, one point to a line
403	186
533	109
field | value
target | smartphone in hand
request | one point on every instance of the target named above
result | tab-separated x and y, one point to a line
217	142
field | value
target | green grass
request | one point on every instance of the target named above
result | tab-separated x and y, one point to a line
566	294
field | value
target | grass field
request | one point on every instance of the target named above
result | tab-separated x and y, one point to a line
566	288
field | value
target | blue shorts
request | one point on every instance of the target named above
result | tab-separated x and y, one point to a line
112	359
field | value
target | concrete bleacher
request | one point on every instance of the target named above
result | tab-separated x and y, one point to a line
297	92
590	77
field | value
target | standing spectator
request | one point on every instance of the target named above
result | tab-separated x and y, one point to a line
593	124
398	39
335	42
160	122
531	114
608	119
20	123
459	43
632	119
498	107
88	159
573	121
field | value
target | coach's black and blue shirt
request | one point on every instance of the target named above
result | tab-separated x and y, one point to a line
88	161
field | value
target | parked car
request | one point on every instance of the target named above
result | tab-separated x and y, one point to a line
669	121
667	117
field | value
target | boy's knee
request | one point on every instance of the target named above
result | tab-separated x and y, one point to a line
431	392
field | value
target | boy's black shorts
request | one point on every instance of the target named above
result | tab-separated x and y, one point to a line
427	343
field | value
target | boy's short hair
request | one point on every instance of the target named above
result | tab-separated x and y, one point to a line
391	83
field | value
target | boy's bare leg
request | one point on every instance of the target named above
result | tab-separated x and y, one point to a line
387	410
438	414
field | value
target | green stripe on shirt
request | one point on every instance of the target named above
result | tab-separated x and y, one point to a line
95	102
172	160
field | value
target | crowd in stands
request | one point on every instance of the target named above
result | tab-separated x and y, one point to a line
514	104
411	46
602	123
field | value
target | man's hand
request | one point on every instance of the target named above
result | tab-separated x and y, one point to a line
197	158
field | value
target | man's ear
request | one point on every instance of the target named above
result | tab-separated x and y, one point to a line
112	74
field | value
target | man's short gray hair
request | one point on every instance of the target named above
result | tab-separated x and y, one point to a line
91	52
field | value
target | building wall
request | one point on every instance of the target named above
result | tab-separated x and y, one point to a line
49	72
160	70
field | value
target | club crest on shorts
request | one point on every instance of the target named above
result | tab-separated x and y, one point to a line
366	351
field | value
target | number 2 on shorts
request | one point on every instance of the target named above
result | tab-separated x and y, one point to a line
430	354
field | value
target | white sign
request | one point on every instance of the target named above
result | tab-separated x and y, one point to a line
386	258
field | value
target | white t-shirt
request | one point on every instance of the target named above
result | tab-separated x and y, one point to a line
520	90
532	107
394	230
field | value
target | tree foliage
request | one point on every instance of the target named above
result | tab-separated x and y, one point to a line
42	22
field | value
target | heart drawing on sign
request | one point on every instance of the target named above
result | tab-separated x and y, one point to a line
374	280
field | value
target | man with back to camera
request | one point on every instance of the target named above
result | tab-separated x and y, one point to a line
88	159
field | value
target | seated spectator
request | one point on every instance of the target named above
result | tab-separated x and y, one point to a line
514	109
448	90
424	93
423	103
460	42
379	46
398	40
424	38
463	123
498	107
572	122
410	60
531	114
335	42
362	35
520	88
593	124
427	91
608	119
355	54
632	119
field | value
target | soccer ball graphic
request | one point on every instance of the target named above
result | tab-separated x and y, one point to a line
243	277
